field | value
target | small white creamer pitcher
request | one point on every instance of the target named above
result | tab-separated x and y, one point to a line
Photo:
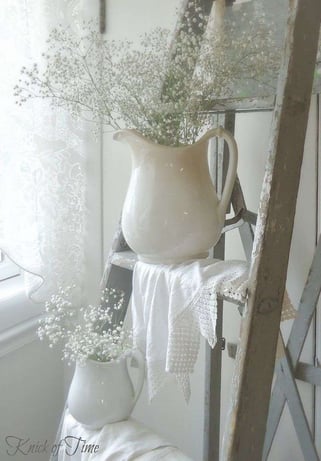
103	393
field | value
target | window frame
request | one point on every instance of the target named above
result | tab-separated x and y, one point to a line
19	316
8	268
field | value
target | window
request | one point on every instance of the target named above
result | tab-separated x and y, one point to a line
7	268
17	312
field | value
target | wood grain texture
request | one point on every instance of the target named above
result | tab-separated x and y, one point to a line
102	16
256	355
213	371
188	8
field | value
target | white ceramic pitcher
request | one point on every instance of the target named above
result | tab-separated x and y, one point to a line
103	393
171	211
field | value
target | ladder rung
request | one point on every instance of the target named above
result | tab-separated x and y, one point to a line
308	373
251	104
239	219
304	371
128	259
250	217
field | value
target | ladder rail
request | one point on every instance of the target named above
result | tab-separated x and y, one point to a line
253	373
299	331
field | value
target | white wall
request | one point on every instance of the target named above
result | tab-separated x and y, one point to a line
33	379
31	398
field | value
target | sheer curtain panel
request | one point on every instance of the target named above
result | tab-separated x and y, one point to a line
42	157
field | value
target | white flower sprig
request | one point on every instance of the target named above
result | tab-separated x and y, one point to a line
88	332
162	89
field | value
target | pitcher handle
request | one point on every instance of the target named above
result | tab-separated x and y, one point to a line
138	356
220	132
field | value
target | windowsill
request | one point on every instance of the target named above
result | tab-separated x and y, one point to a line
10	289
18	315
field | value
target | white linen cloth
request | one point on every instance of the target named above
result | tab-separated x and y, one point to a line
124	441
173	304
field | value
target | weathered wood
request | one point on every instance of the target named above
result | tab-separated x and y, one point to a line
256	355
317	358
188	10
307	306
238	203
213	368
118	276
299	418
233	223
308	373
120	279
243	104
212	423
231	350
250	217
212	427
118	245
222	156
102	16
299	331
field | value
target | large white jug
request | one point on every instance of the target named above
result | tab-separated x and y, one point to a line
171	211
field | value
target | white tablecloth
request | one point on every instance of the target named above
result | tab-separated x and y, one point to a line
123	441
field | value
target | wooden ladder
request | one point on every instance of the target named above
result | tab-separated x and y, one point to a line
261	319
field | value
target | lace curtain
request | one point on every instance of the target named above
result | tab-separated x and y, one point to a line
42	158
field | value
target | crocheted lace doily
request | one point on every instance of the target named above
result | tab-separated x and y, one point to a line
173	305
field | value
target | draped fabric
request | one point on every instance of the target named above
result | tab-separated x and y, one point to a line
172	305
42	157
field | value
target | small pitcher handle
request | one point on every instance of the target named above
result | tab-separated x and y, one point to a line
220	132
138	356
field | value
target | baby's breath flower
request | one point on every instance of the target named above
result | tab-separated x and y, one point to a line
88	331
163	91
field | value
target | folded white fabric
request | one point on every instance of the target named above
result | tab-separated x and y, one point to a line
164	454
173	304
124	441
